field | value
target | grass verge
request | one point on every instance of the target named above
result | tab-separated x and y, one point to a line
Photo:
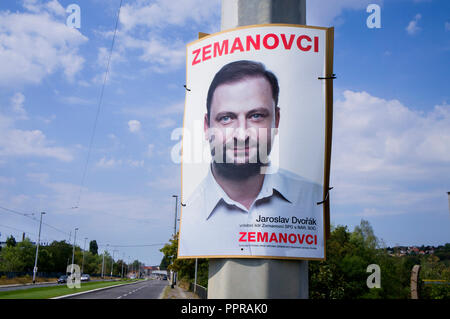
166	291
55	291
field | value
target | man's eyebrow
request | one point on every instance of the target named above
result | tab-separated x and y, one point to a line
252	111
259	110
221	114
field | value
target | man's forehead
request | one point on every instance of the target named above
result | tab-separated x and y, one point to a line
253	79
242	93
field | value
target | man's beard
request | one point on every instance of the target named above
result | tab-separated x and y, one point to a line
237	171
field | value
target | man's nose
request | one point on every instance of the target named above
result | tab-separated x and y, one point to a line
240	130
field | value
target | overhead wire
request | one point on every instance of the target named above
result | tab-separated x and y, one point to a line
83	178
33	218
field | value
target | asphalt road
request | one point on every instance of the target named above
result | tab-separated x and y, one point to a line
148	289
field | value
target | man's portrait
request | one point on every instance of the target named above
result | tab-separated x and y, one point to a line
246	203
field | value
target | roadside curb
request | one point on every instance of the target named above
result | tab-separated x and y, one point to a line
97	289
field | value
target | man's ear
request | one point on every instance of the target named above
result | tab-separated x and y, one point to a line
206	126
277	116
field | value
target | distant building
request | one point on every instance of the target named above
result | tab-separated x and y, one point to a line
148	270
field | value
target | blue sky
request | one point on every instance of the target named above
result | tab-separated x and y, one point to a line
391	146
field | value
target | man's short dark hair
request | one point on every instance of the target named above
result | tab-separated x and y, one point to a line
237	71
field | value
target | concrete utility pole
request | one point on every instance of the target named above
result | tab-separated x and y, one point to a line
37	250
259	278
238	13
448	194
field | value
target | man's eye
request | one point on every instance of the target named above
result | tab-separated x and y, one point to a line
225	119
257	116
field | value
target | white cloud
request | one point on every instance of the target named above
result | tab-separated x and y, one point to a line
161	116
168	179
161	13
46	120
413	27
381	148
326	12
166	183
447	26
16	142
7	180
157	112
17	102
76	100
144	24
150	150
134	126
136	163
22	33
37	6
167	122
111	163
162	55
104	60
38	177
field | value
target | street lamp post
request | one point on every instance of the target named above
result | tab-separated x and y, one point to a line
73	250
132	266
37	250
175	222
195	281
174	235
123	259
112	262
103	262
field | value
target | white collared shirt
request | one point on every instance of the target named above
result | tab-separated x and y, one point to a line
212	224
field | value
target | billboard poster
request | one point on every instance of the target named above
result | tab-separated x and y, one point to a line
256	143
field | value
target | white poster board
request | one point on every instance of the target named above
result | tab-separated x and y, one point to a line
256	144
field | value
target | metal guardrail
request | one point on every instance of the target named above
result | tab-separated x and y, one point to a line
201	291
435	282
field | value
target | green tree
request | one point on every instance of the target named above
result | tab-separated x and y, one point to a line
343	274
10	260
118	268
165	262
432	268
45	260
61	252
184	267
11	241
93	247
92	263
19	257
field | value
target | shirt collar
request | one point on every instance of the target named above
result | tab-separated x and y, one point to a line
278	182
